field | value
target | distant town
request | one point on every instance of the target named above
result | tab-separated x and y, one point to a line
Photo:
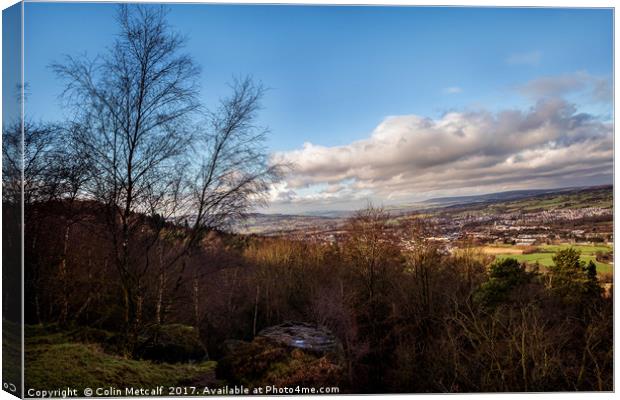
576	216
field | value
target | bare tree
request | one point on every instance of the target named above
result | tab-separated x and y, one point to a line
134	107
34	157
137	111
374	259
234	172
370	247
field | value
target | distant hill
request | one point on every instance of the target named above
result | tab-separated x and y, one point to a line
509	195
509	201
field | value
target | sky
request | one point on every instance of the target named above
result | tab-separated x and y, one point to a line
389	105
11	63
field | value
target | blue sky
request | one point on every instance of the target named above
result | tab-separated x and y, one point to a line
11	63
338	73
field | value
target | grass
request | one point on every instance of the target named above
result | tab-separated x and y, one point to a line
584	249
53	361
544	256
11	352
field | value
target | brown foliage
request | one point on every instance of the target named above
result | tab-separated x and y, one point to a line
407	319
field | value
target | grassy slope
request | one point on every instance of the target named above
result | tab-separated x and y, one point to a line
53	362
11	352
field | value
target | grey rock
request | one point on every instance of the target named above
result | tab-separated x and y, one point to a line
302	335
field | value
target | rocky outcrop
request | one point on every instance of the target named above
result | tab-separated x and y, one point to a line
308	337
290	354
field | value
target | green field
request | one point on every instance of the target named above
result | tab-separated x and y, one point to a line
544	257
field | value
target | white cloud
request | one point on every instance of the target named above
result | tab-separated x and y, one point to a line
531	58
409	156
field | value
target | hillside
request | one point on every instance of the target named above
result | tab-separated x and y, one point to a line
520	201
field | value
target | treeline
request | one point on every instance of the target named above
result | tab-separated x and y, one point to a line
421	321
410	321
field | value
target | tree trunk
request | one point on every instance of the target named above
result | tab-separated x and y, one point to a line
159	308
64	295
255	310
195	299
139	305
131	300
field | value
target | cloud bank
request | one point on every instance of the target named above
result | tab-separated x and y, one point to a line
409	157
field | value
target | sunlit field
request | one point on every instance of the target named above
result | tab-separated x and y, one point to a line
545	253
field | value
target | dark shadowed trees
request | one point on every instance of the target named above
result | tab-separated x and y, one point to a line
37	154
504	276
